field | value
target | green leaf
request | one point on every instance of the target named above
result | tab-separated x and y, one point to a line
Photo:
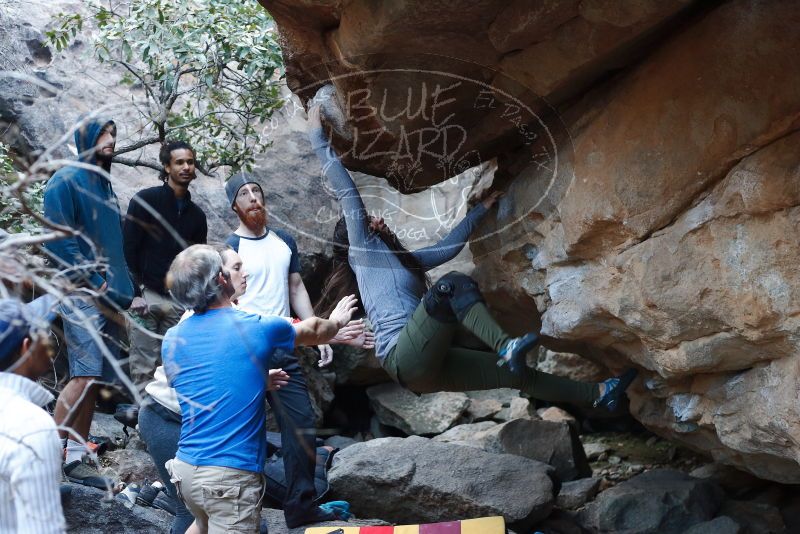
127	51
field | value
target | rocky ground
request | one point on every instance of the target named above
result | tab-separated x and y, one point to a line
445	456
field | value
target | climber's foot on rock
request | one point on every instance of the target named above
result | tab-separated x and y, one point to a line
612	389
515	351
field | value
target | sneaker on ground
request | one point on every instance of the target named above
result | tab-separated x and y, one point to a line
341	509
79	472
147	493
165	502
98	444
154	495
129	495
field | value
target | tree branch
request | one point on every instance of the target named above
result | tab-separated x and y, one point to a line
137	145
23	240
138	76
130	162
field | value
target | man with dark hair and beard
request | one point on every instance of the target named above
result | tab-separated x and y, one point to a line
275	288
161	222
79	196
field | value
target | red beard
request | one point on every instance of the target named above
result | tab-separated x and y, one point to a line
255	220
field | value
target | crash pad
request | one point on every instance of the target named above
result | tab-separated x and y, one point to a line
482	525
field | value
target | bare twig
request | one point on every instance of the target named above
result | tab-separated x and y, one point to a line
138	144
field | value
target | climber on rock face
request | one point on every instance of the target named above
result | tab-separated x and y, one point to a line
418	329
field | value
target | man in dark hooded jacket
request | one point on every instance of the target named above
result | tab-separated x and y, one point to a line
79	196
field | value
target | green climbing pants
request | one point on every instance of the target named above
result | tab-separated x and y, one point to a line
425	360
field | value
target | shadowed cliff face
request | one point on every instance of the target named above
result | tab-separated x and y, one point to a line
648	151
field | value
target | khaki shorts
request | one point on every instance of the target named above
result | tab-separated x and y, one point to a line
221	499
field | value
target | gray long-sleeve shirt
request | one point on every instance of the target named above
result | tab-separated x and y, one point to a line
389	291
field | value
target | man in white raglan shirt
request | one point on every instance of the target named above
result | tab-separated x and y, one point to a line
274	287
270	257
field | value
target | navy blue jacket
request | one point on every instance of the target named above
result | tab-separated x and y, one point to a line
84	200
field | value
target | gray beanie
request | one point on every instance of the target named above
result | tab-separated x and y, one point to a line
236	182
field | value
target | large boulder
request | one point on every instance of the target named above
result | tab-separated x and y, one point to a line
416	480
646	224
421	108
549	442
660	501
431	413
678	271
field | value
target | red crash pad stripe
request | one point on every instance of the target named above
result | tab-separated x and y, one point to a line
377	530
452	527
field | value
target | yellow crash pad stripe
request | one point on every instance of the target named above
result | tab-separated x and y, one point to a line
484	525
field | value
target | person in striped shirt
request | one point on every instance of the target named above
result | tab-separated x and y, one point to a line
30	451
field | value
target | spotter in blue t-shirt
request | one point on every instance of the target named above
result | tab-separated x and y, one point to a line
218	363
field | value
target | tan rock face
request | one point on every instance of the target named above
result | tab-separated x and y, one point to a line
660	228
674	247
677	124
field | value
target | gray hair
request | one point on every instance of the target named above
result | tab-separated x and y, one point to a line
192	277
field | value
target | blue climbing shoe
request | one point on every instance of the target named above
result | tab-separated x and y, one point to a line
615	387
515	351
341	509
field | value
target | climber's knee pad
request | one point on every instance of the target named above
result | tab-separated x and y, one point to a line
466	294
451	297
437	301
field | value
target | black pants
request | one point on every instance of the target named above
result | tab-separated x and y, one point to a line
295	415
